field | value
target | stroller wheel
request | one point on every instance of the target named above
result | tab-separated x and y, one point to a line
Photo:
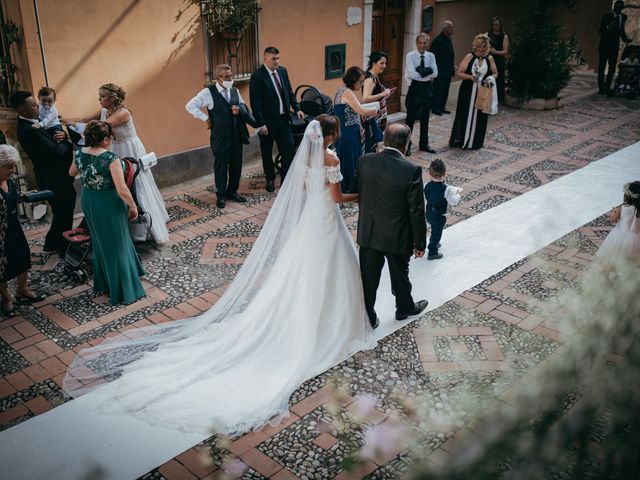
80	276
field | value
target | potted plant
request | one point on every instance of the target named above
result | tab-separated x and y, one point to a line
541	60
8	82
229	17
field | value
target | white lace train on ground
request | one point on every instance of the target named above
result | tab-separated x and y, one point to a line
294	310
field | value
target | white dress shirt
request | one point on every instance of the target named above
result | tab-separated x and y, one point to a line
48	117
275	85
204	100
413	61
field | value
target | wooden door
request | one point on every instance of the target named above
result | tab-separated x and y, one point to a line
387	35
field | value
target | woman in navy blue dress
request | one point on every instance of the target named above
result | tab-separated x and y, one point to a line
356	136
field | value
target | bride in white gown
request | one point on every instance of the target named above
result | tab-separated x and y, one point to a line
294	310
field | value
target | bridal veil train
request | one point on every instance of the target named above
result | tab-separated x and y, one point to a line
294	310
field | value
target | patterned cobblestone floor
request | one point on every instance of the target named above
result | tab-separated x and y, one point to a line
480	345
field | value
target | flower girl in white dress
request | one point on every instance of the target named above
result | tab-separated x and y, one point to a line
623	242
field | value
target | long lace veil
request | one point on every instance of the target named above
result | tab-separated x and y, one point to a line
304	182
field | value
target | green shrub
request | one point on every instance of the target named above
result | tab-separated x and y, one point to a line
541	60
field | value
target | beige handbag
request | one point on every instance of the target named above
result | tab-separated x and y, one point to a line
483	100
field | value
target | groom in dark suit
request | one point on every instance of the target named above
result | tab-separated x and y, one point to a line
391	223
51	156
611	32
272	99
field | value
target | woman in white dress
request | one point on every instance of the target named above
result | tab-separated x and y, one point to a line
623	242
294	310
127	144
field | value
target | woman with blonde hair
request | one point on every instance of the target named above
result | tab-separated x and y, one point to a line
476	69
126	143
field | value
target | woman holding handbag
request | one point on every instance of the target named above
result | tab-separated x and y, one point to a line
470	125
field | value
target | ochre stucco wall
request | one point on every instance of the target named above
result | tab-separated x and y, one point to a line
301	33
153	49
471	17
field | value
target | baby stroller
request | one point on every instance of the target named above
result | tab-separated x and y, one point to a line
312	103
78	255
628	78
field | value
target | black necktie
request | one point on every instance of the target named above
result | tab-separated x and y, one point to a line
280	89
421	62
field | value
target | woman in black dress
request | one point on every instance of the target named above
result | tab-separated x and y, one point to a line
15	256
499	51
470	124
373	89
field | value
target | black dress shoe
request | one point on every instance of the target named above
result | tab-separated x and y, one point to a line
49	249
435	256
419	307
220	202
446	112
236	198
375	322
37	297
408	153
271	187
427	149
436	112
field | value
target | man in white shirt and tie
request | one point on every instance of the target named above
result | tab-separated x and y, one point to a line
272	100
420	70
226	116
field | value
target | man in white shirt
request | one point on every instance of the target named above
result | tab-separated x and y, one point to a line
420	70
226	116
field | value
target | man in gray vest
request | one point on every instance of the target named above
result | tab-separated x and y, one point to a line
226	117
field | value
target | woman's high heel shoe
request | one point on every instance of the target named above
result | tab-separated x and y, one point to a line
8	312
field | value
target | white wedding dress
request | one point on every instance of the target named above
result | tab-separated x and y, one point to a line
294	310
127	144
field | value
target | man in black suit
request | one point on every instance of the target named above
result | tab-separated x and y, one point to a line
442	48
391	222
226	117
272	99
611	31
51	156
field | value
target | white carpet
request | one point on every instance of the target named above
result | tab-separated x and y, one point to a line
67	441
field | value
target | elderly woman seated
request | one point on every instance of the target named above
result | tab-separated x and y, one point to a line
15	256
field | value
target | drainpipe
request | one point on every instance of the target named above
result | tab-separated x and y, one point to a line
44	61
207	45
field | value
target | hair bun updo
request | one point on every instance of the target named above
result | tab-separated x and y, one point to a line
96	131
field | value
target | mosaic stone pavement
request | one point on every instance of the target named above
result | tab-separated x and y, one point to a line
461	357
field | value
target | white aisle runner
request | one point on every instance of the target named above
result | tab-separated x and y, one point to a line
67	441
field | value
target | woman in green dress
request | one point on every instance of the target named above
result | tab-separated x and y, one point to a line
107	202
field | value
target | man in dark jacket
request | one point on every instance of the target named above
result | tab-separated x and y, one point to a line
272	99
391	222
51	156
611	32
442	48
226	117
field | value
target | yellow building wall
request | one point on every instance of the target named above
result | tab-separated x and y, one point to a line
301	34
154	49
